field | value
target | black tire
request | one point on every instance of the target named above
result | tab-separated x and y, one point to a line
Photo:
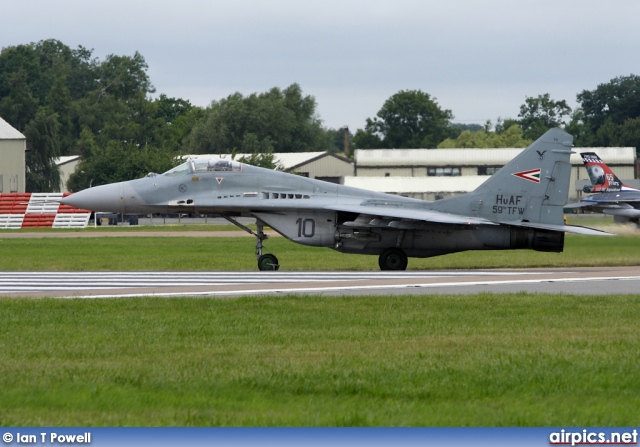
393	259
268	262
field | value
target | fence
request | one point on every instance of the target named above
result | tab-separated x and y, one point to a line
40	210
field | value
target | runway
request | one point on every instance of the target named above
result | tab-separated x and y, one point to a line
579	281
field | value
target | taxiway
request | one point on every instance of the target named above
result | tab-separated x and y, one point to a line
579	281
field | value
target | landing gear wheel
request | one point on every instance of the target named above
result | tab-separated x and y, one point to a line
268	262
393	259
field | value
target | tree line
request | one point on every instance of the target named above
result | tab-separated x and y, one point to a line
68	102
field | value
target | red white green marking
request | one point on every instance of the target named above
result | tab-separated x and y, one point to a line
533	175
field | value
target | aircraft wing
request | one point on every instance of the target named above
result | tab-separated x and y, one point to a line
611	208
412	214
578	205
377	216
566	228
616	201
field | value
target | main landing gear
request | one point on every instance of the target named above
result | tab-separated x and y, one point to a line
267	261
393	259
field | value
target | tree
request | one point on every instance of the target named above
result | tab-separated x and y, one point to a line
124	76
626	134
19	105
117	161
577	128
276	121
67	102
47	73
261	159
175	118
337	137
408	119
469	127
504	124
617	100
512	137
610	112
43	148
537	115
365	139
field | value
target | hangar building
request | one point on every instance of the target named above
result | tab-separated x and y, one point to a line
66	166
12	153
432	174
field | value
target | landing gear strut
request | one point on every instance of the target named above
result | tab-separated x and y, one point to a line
393	259
265	262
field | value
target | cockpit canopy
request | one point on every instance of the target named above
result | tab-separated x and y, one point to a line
193	166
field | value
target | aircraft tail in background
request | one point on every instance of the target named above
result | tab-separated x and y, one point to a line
602	177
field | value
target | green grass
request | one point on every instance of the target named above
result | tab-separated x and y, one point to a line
483	360
194	253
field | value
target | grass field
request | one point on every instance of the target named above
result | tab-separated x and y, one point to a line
188	253
479	360
484	360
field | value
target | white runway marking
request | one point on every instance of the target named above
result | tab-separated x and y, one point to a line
45	281
133	284
338	289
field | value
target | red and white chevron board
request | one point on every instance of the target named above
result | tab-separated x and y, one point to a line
40	210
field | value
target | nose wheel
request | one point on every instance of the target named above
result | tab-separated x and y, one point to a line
266	262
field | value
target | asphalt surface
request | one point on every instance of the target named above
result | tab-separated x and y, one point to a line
577	281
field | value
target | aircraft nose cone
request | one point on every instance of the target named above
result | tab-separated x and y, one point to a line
99	198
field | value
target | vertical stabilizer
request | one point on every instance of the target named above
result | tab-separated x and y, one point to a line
533	187
602	177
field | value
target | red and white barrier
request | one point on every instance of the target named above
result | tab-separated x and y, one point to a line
40	210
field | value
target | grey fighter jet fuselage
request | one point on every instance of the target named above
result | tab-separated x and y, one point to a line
518	207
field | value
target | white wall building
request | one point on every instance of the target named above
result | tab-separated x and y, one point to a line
432	174
13	146
66	166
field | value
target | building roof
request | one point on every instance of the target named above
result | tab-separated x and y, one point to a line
67	159
474	157
7	132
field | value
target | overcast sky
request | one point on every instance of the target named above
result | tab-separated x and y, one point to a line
480	59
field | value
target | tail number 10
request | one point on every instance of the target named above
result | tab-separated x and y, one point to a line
306	227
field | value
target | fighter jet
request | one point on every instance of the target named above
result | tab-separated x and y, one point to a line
519	207
614	198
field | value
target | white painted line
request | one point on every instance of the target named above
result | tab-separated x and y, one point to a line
368	287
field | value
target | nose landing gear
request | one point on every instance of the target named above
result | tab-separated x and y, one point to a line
266	261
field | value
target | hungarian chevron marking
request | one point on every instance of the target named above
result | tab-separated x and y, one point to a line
532	175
